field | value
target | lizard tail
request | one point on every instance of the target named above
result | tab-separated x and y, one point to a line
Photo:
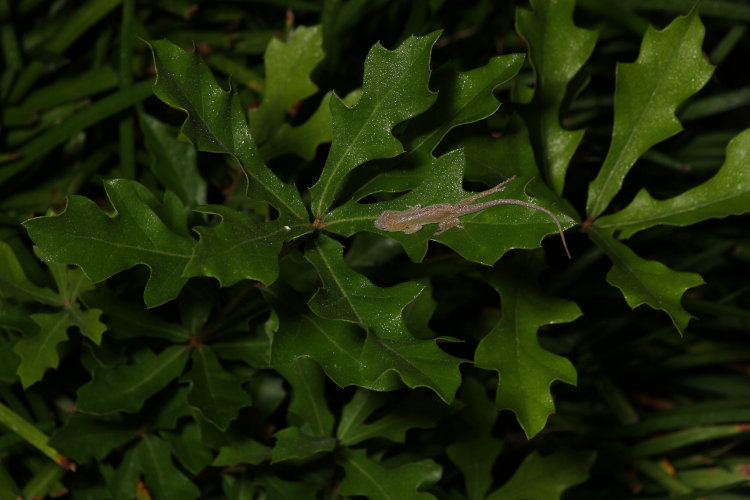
541	209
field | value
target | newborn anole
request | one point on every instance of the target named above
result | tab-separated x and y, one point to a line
446	215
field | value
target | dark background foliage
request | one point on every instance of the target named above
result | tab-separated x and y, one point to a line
637	378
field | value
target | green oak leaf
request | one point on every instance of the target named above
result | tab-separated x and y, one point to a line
367	477
303	140
463	97
669	69
248	451
486	236
141	231
335	345
558	50
120	480
294	444
173	162
280	489
14	283
84	437
546	477
240	246
216	121
416	411
126	387
394	89
215	392
188	448
288	67
474	450
726	193
349	296
162	478
525	370
128	320
644	281
308	409
38	350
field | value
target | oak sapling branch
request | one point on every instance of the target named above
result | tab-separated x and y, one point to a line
446	215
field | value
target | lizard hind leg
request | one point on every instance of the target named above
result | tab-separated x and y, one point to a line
448	224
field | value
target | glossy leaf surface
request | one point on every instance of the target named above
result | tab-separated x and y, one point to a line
525	369
644	281
669	69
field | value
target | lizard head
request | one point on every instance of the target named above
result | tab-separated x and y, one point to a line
388	221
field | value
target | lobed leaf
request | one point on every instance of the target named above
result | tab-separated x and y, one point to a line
39	352
546	476
669	69
142	231
308	409
526	371
474	450
14	283
216	122
463	97
416	411
303	140
294	444
349	296
369	478
84	438
558	50
173	162
644	281
126	387
215	392
240	247
394	88
726	193
162	479
288	67
486	235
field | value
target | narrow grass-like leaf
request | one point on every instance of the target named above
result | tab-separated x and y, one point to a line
369	478
394	88
288	67
349	296
162	478
668	442
126	387
557	51
28	432
669	69
38	147
644	281
726	193
308	409
216	393
546	476
142	231
525	370
240	246
216	121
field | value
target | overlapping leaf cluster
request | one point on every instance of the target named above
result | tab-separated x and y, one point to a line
289	312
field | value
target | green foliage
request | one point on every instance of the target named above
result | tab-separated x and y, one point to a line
177	323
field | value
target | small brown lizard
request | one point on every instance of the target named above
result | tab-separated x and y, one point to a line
446	215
